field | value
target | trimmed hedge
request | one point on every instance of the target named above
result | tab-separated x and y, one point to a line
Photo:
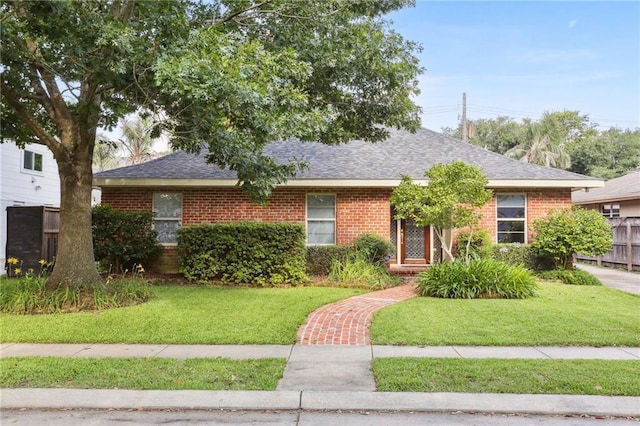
262	254
320	258
519	255
570	276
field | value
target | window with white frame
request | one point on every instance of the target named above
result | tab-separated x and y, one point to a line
611	210
512	218
31	161
167	216
321	219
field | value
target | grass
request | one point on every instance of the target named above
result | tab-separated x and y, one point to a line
183	315
560	315
141	373
574	377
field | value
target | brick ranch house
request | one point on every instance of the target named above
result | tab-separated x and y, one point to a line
343	194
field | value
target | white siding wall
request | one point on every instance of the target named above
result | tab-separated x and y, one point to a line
25	187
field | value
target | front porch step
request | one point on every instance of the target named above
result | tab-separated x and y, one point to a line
407	269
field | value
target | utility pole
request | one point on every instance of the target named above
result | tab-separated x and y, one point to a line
464	116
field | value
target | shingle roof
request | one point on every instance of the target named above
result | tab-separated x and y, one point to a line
623	188
402	153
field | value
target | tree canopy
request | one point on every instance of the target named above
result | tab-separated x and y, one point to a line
229	76
563	139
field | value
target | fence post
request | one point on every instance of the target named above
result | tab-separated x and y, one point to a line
629	248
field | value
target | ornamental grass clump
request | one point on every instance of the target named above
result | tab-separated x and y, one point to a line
477	278
365	265
27	293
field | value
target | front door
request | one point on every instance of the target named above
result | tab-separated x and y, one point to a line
412	242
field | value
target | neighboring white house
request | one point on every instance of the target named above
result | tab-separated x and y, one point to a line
28	177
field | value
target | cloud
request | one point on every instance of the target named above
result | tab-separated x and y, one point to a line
573	23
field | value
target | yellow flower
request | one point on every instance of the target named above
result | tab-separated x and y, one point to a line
30	271
42	262
140	268
12	261
17	271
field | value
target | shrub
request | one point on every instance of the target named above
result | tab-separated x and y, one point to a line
478	245
570	276
515	255
123	238
320	258
478	278
373	248
573	230
243	253
357	271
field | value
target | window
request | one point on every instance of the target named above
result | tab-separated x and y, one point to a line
611	210
511	218
167	216
32	161
321	219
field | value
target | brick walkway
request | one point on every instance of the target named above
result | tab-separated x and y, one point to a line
347	322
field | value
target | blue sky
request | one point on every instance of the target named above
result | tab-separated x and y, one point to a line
524	58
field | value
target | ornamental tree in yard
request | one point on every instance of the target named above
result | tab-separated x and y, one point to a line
563	233
228	75
449	201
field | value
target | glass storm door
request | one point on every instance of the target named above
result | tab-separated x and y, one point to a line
415	244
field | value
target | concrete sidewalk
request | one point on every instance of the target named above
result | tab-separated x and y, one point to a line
314	353
309	383
612	277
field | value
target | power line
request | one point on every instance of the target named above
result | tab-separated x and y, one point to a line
497	111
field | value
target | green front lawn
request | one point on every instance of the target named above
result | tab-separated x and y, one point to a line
183	315
561	315
539	376
141	373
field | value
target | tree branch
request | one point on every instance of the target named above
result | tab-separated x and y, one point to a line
240	12
42	97
44	137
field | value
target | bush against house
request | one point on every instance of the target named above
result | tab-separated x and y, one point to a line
563	233
243	253
320	258
123	239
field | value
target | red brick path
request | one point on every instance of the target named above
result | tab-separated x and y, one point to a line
347	322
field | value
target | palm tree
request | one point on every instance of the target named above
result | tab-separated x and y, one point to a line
137	139
540	147
104	153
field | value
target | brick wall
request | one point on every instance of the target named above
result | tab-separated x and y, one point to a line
539	202
358	210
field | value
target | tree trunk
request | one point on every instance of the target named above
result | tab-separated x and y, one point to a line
75	264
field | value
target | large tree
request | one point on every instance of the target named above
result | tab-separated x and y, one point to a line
230	75
498	134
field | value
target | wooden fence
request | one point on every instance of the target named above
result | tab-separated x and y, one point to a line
626	245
